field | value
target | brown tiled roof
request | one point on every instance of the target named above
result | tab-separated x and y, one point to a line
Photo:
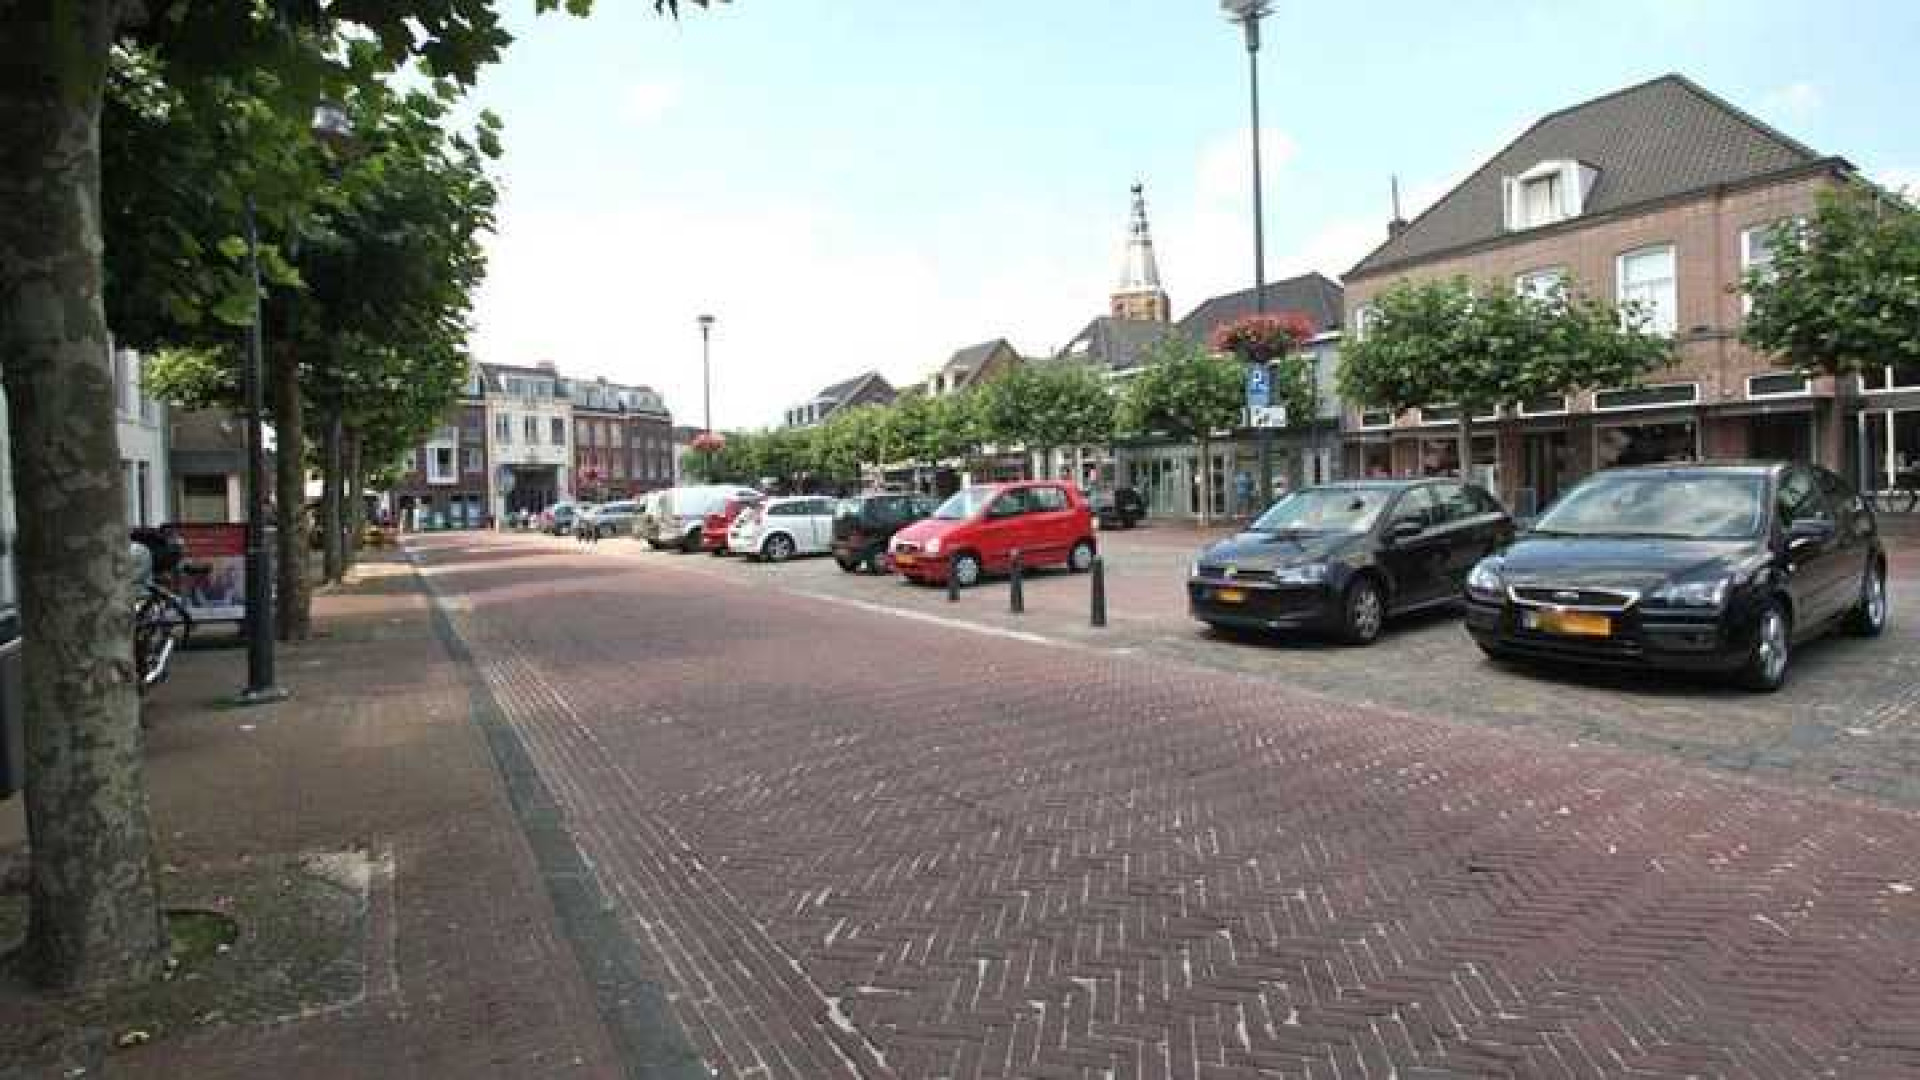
1652	142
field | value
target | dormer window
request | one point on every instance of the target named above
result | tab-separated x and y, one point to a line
1549	192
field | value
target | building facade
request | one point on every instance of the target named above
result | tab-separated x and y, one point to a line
522	438
140	424
622	439
444	482
208	463
1661	194
870	388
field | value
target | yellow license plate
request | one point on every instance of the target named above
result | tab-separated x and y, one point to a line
904	560
1230	596
1573	623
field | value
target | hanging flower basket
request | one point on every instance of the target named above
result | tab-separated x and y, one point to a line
1261	338
709	442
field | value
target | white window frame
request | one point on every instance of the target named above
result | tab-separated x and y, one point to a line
1687	404
433	473
1360	420
1490	418
1362	315
1522	281
1747	237
1673	285
1566	406
1806	386
1884	385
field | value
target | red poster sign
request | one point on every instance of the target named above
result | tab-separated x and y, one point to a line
216	588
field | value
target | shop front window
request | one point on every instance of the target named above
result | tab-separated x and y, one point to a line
1646	444
1441	457
1376	460
1892	440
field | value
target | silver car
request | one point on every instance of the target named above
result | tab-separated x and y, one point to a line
779	529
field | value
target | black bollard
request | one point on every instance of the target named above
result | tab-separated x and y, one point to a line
1099	569
1016	597
953	584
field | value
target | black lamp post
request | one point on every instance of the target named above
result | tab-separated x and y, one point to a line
1248	14
331	126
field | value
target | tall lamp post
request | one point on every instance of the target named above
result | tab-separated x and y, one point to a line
1248	14
331	127
706	384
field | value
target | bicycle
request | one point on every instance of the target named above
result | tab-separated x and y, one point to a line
161	622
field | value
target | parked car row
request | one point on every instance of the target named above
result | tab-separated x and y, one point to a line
973	533
1714	567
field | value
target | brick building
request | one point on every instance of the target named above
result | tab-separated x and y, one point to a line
870	388
446	479
1660	193
622	439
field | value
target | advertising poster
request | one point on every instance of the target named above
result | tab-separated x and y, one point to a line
215	589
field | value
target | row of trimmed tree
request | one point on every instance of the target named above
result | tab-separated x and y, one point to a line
141	136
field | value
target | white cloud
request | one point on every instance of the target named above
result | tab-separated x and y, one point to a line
647	102
1795	101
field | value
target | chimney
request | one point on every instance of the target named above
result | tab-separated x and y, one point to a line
1397	224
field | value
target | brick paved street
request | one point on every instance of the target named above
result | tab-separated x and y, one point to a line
854	840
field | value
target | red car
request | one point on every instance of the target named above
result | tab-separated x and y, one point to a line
977	531
713	530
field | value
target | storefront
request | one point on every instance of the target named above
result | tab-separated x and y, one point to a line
1888	430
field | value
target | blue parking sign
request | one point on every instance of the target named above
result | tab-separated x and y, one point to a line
1259	387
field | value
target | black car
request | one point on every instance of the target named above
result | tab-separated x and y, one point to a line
1708	567
862	525
1117	508
1345	557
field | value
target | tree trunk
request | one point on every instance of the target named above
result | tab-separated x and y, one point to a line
333	554
356	497
292	588
94	916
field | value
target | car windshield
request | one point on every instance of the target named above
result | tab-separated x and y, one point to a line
1325	510
1664	505
964	504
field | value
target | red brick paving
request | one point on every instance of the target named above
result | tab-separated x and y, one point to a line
863	845
377	751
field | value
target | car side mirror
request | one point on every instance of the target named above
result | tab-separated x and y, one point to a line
1405	529
1809	531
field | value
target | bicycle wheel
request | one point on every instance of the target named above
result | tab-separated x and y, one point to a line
160	624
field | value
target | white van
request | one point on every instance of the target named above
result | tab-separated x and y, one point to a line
681	512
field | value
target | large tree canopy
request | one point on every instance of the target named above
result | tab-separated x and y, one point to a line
1841	292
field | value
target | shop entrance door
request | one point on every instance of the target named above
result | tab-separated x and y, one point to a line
1781	437
1548	469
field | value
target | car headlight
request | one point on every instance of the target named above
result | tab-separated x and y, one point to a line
933	546
1304	574
1484	581
1692	594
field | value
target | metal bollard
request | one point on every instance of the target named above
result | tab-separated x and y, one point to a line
1016	597
1099	569
953	584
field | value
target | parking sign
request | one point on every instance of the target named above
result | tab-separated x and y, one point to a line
1259	387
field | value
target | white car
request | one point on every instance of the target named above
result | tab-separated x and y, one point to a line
679	513
779	529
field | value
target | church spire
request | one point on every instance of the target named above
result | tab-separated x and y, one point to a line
1139	295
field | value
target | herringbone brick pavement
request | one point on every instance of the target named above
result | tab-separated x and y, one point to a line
860	845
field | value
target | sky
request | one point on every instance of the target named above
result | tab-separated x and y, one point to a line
853	185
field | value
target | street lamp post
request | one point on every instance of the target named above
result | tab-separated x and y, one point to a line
1248	14
706	384
331	127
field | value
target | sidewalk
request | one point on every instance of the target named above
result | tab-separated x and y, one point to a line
377	751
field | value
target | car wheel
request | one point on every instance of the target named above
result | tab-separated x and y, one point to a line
690	544
655	545
844	563
965	569
1363	612
1766	667
1080	559
877	563
1869	614
778	548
